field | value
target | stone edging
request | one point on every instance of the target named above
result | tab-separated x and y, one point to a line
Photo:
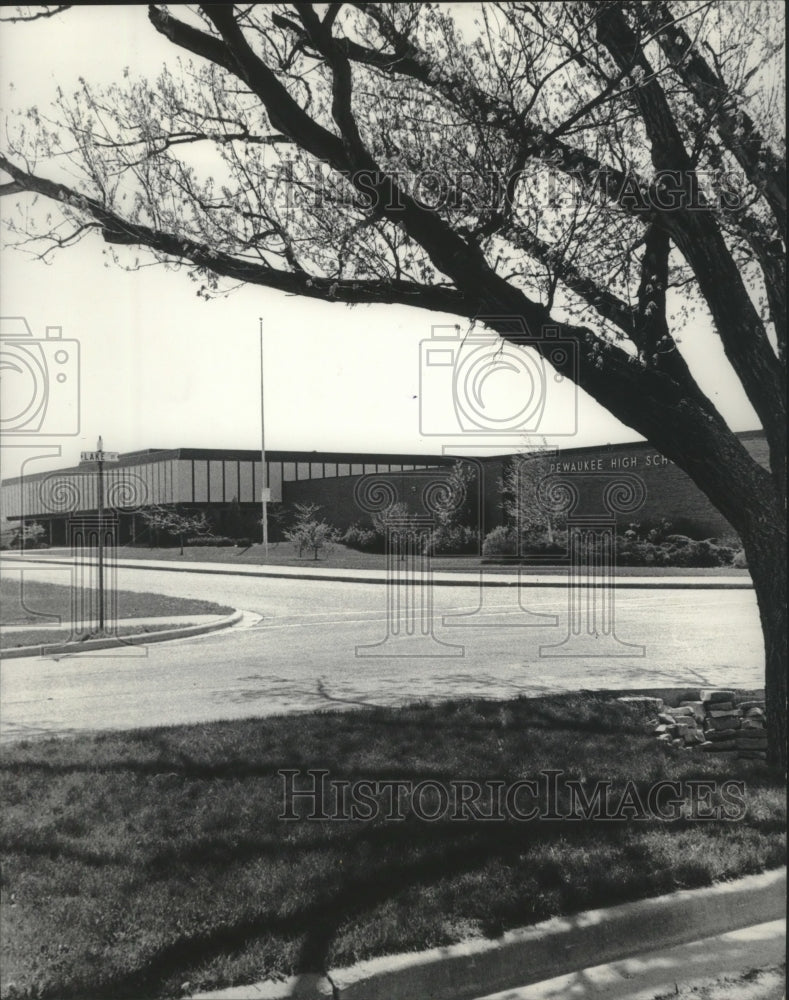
138	639
533	954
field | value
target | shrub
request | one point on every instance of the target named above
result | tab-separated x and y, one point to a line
632	551
454	539
363	539
499	542
31	536
678	540
725	555
244	543
676	550
312	536
543	545
657	531
203	541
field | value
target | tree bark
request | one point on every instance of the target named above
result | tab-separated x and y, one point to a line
764	541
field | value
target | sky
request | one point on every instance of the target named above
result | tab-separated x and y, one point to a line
161	367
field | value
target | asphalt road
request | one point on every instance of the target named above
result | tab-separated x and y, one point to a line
299	649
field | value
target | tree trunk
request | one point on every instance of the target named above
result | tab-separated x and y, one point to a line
765	548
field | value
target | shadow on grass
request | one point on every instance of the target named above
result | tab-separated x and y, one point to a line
209	800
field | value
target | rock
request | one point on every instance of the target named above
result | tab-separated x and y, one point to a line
720	747
697	707
723	713
754	713
664	738
677	742
642	700
721	706
684	711
727	722
752	755
713	694
659	730
747	705
692	737
757	743
666	718
716	735
757	724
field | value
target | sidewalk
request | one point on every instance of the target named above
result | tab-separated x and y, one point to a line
709	969
525	577
735	925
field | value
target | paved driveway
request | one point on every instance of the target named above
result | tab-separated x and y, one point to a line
299	649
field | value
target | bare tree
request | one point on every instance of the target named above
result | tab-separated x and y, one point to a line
613	169
307	532
175	523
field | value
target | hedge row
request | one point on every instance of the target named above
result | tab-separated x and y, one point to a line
631	550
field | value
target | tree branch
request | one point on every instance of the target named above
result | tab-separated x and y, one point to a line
734	125
117	230
700	240
46	12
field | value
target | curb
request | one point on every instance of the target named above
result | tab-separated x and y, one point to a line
139	639
489	581
533	954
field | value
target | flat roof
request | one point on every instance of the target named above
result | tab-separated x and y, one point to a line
150	455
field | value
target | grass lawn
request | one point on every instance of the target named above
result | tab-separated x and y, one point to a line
135	863
341	557
35	603
52	637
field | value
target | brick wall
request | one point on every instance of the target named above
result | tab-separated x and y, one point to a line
670	493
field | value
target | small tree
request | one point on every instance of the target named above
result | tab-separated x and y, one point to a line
309	533
175	523
396	515
520	502
450	533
